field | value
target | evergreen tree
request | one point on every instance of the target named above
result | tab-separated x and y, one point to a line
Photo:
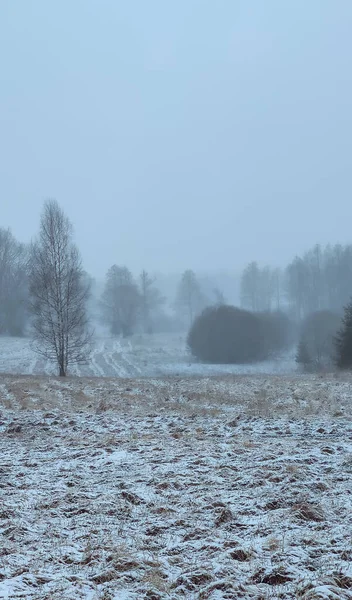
344	340
303	358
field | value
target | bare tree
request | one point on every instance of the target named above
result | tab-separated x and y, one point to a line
219	298
189	298
250	287
59	292
258	287
297	283
13	284
320	279
267	289
151	300
277	287
120	301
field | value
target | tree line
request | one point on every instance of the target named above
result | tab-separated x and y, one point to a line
320	279
229	335
127	304
13	284
44	291
315	291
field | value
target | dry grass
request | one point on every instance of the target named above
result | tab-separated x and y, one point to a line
176	488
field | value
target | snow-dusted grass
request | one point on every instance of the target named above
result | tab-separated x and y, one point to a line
139	356
196	488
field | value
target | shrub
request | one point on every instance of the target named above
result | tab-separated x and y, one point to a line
276	331
227	335
303	358
318	334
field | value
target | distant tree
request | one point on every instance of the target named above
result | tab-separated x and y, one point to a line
59	293
266	289
13	284
93	306
151	300
277	285
338	276
297	282
318	333
260	287
120	301
343	340
250	287
320	279
303	358
315	289
189	298
219	297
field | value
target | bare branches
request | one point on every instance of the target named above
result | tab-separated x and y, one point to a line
151	299
120	301
59	293
189	299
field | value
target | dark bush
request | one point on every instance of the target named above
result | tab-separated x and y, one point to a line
318	334
227	335
277	332
303	358
343	340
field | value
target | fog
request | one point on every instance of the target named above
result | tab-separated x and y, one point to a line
178	134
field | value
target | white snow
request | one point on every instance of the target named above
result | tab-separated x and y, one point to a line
142	355
180	487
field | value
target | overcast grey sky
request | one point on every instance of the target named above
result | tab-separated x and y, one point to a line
178	133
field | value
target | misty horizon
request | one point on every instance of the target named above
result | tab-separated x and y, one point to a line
178	136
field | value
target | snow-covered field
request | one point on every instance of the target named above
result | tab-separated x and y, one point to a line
139	356
198	488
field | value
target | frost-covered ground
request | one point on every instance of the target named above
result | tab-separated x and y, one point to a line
196	488
148	355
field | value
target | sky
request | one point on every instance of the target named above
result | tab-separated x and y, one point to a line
178	134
